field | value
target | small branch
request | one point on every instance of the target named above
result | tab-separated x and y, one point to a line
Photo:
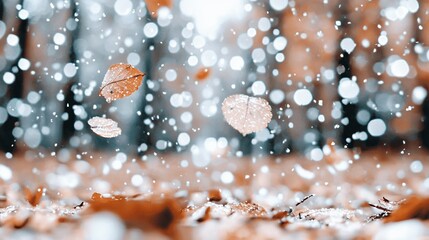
303	200
79	205
380	207
380	215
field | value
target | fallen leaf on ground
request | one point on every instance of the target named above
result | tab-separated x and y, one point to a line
206	215
35	197
249	209
104	127
121	80
152	213
246	114
214	195
17	220
386	206
279	215
415	207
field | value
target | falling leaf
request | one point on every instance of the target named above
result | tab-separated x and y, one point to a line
104	127
246	114
202	74
121	80
154	5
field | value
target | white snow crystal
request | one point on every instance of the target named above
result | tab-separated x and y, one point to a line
5	172
398	68
150	30
348	45
302	97
236	63
278	5
348	89
376	127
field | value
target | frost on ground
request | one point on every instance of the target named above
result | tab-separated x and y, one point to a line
232	199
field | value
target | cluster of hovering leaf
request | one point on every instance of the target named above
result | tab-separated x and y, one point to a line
121	80
246	114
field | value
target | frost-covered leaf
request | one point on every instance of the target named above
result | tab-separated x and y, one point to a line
246	114
102	122
104	127
121	80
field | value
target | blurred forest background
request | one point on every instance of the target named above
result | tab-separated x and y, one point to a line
351	72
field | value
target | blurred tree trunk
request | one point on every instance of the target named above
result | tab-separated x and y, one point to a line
360	26
14	90
68	129
422	65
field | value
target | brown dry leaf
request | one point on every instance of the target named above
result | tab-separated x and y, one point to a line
214	195
206	215
43	221
143	213
104	127
33	197
3	201
279	215
154	5
99	197
414	207
18	220
202	74
121	80
386	206
249	209
246	114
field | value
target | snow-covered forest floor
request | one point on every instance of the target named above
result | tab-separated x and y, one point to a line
167	196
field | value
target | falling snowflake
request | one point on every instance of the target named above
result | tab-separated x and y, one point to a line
121	80
246	114
104	127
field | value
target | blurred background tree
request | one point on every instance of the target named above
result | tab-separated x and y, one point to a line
346	72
